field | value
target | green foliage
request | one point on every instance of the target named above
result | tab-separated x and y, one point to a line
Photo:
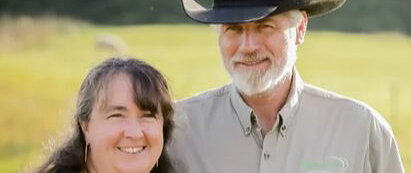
368	16
354	16
100	11
38	84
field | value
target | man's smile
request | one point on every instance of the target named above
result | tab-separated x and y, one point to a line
251	63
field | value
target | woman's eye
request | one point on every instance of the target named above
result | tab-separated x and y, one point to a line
148	114
115	116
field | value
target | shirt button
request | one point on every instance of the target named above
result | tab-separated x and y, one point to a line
248	130
266	156
283	128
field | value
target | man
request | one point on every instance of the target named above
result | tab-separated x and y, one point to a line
268	119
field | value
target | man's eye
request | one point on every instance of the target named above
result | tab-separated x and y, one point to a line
232	28
267	26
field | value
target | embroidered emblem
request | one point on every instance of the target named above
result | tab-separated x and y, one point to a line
330	164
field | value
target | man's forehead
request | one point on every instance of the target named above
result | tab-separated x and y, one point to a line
271	18
268	19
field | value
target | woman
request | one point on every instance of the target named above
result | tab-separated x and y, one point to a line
123	120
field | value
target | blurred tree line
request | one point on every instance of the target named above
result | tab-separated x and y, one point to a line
354	16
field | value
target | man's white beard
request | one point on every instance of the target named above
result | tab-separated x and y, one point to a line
254	83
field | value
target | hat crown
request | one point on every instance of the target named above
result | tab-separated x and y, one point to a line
244	3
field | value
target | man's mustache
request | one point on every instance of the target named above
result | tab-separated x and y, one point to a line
250	57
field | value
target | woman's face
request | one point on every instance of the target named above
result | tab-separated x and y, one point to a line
122	137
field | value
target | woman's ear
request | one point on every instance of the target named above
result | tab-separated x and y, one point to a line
302	28
84	128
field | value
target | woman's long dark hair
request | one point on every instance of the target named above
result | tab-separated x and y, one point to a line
150	93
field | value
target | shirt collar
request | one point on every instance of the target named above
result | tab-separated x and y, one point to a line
242	110
290	107
287	112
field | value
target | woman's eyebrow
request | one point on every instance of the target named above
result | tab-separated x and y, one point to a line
115	108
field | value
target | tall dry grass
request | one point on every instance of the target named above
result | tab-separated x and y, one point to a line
24	32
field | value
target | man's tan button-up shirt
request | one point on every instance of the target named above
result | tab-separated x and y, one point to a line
316	132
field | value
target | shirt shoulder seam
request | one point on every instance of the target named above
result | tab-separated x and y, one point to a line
213	93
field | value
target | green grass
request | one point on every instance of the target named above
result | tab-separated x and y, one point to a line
38	83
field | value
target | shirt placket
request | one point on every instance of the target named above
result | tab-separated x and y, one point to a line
271	150
256	132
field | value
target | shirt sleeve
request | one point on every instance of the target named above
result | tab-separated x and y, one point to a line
383	154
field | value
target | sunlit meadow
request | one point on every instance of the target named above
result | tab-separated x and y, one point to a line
43	64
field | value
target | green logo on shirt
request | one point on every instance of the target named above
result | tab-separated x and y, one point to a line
329	165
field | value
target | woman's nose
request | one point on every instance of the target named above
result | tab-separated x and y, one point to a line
133	129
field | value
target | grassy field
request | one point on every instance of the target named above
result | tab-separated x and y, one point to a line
39	78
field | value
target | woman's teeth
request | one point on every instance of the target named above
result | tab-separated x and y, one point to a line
131	150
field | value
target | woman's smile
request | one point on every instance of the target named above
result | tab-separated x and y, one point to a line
131	150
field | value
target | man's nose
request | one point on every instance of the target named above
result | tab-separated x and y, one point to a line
133	129
249	42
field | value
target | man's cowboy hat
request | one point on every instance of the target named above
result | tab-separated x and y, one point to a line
238	11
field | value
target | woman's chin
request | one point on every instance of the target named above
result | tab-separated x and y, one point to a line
139	162
133	168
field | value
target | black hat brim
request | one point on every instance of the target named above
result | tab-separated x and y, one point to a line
228	15
240	14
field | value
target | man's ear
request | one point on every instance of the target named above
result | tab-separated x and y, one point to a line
301	28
